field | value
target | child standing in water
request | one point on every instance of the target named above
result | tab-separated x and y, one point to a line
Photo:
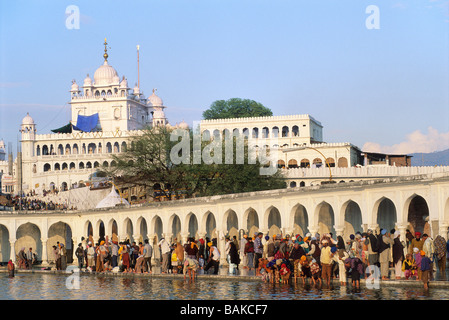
11	269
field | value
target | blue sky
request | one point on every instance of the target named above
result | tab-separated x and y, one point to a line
383	89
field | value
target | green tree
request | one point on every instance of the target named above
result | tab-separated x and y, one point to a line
236	108
147	162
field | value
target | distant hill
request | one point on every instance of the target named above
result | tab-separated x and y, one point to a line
438	158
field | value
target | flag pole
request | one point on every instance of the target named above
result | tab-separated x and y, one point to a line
138	71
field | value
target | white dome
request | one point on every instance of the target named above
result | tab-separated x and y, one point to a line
87	81
27	120
75	86
154	101
124	83
183	125
105	74
158	114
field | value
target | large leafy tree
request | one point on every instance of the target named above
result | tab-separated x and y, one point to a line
147	162
236	108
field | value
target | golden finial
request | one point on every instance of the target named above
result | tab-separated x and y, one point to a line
105	50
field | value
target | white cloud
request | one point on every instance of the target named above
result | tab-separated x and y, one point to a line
414	142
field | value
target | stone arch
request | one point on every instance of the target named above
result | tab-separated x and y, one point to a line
230	220
330	162
116	147
299	219
47	167
273	220
352	218
384	213
28	235
60	149
210	225
5	248
176	229
305	163
60	232
112	228
292	163
252	221
342	162
101	230
88	230
157	227
417	212
128	229
326	218
192	225
142	226
265	132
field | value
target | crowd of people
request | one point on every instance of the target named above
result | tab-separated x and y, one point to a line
321	258
25	203
126	256
277	259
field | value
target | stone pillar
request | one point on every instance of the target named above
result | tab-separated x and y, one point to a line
442	230
221	246
136	238
168	236
184	237
202	235
156	252
402	228
374	227
339	230
12	254
313	230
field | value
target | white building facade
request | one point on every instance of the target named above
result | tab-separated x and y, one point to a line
63	160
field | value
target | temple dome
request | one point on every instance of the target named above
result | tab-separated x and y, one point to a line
105	74
27	120
183	125
87	81
154	100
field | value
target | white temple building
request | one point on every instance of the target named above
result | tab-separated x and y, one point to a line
105	113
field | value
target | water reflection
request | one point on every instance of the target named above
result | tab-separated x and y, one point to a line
51	287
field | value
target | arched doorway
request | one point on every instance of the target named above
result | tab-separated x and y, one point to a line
386	214
211	226
252	221
62	233
5	248
326	219
300	220
232	225
28	235
353	219
192	225
176	227
274	221
418	211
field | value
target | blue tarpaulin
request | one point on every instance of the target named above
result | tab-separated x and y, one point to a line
86	123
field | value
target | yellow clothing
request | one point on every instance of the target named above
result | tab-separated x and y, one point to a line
325	255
